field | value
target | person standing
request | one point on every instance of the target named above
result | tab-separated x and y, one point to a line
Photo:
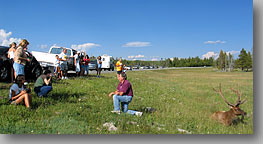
123	95
20	58
43	84
86	64
11	51
11	55
57	67
119	67
63	63
99	64
77	62
18	93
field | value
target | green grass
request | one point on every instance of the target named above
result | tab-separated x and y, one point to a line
183	98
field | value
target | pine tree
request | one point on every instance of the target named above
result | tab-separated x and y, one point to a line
243	57
221	61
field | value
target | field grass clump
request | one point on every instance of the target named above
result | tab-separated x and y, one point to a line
183	99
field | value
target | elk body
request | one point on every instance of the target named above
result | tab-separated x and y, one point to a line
228	117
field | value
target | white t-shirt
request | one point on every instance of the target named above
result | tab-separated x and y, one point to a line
64	57
15	88
11	54
77	58
57	62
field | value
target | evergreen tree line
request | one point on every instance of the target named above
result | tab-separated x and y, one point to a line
224	62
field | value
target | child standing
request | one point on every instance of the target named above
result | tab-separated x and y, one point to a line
57	67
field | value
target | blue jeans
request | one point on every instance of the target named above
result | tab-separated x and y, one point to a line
44	90
124	100
19	69
86	68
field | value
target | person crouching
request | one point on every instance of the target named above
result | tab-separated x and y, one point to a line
43	84
18	93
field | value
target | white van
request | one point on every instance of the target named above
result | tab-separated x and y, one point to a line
107	62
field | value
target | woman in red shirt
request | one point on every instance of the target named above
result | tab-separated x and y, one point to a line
86	65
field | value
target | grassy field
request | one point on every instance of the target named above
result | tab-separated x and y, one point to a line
183	98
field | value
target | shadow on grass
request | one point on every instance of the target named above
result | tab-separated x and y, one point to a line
65	96
56	98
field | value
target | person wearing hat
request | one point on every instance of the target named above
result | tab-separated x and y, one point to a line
76	62
43	84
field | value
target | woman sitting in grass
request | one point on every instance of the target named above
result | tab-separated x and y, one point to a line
43	84
18	93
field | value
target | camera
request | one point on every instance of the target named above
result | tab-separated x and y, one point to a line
28	90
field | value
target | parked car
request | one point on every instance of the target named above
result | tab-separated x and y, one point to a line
93	65
128	67
136	67
32	68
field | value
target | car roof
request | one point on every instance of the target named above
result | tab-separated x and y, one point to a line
3	50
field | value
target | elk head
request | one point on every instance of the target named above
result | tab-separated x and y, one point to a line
228	117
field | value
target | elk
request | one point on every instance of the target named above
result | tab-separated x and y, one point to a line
228	117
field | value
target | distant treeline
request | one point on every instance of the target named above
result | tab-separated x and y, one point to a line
175	62
224	62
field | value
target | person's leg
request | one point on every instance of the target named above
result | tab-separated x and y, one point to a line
123	99
66	70
44	90
30	99
116	103
87	70
61	71
26	100
15	66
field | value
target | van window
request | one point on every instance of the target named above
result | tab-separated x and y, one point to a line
59	50
103	59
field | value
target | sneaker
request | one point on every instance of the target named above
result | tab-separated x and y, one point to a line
63	77
138	113
117	112
66	77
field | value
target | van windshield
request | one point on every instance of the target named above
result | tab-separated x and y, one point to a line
59	50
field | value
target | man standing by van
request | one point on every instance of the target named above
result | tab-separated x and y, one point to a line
119	67
63	64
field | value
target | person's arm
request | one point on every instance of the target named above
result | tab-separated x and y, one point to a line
75	61
118	93
17	96
115	92
47	81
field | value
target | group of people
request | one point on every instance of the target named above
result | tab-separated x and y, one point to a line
81	62
18	56
18	92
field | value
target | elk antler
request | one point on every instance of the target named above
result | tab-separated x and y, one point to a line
220	92
239	102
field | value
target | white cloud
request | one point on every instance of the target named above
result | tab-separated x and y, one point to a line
85	46
154	59
5	40
214	42
233	52
137	44
209	54
137	56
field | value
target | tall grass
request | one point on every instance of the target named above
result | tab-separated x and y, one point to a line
183	99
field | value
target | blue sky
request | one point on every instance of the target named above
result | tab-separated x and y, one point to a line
132	29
